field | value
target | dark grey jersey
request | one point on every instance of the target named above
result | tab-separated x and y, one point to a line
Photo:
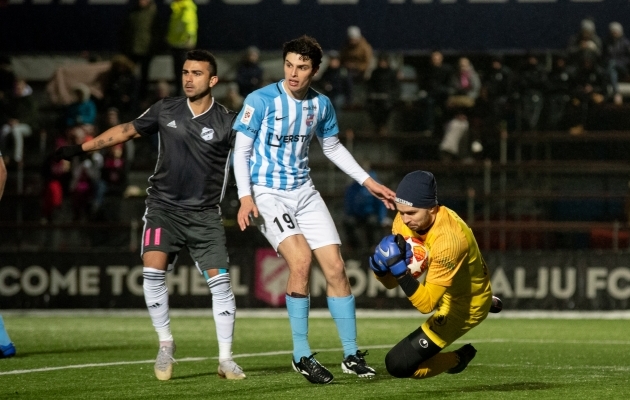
194	154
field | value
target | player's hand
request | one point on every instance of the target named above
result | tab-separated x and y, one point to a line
385	194
67	152
378	269
247	208
393	253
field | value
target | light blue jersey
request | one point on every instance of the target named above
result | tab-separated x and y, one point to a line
282	128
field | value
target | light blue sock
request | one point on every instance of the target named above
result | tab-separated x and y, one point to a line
4	336
298	318
343	312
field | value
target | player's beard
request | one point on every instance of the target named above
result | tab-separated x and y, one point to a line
201	95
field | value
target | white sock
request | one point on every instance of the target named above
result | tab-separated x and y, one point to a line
156	297
224	311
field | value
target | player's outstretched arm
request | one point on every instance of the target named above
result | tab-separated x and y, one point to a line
341	157
247	208
3	175
382	192
111	137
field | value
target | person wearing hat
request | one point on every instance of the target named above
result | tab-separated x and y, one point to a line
456	285
357	58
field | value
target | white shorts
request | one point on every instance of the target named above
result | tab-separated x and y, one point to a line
283	213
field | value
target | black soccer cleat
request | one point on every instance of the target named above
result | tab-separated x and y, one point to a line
465	353
497	305
312	370
355	364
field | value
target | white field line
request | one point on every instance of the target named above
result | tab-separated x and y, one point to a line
384	346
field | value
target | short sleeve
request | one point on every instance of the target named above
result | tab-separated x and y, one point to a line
148	122
249	119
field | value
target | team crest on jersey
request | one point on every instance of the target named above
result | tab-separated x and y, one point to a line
310	118
207	134
247	114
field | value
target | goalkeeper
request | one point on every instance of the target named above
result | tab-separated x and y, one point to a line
456	287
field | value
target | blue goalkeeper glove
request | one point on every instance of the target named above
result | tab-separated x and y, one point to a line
393	253
378	269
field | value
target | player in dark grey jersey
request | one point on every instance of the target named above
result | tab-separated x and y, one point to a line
195	141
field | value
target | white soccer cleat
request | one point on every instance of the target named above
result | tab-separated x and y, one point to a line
230	370
164	363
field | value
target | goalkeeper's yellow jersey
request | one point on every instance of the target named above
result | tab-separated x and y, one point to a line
455	262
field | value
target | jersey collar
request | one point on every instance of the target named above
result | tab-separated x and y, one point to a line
193	113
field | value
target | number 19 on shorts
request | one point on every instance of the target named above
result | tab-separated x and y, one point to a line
286	222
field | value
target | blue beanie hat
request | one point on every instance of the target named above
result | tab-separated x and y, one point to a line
417	189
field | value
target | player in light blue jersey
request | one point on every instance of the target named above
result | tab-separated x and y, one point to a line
7	349
275	128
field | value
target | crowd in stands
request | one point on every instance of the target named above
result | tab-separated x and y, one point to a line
459	100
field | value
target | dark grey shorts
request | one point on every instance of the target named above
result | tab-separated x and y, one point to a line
201	231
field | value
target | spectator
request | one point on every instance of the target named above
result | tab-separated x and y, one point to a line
181	36
83	110
109	189
455	140
335	81
464	89
558	95
499	82
249	74
585	43
434	91
121	87
464	86
56	178
232	99
7	83
85	173
138	38
383	89
161	90
23	119
533	85
617	58
590	88
356	56
365	215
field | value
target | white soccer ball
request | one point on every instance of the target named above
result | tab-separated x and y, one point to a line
420	259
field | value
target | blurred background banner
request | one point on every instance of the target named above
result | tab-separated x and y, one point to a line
530	280
76	25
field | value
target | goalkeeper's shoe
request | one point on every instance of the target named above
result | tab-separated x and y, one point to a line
7	351
312	370
355	364
164	363
497	305
230	370
465	354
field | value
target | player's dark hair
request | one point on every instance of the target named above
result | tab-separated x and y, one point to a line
305	46
203	55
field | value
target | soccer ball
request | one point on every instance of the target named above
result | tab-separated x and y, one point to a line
420	258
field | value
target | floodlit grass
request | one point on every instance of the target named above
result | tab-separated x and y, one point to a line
517	358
